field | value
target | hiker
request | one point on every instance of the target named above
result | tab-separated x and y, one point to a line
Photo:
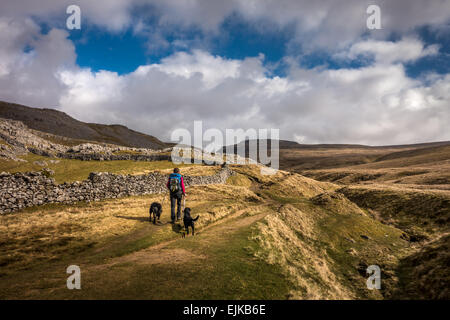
175	184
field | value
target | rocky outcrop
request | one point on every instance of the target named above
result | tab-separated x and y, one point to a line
11	152
19	139
105	148
21	190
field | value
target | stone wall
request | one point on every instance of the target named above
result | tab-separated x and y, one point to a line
21	190
112	157
134	157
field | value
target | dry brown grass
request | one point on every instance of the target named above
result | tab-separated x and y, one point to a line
45	232
436	176
309	159
239	180
295	185
195	170
427	168
307	267
317	240
284	183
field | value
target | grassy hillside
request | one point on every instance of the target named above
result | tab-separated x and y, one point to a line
259	237
70	170
424	167
302	157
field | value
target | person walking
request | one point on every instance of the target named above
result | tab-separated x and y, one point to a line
175	184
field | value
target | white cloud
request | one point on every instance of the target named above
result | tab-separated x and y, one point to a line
212	70
111	14
87	90
405	50
378	104
327	23
30	76
14	36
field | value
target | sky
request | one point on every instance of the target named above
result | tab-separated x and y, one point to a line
311	69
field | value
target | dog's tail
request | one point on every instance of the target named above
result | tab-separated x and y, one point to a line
196	218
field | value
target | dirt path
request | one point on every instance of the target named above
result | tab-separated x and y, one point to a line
162	254
124	264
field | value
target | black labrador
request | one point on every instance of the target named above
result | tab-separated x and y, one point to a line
188	221
155	210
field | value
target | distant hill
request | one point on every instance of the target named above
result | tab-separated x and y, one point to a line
59	123
300	157
286	144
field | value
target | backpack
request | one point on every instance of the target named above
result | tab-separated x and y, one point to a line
175	183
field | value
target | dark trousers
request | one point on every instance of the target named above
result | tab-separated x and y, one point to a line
175	197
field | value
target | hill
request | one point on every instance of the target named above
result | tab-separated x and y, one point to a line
59	123
287	144
424	168
280	236
301	157
258	237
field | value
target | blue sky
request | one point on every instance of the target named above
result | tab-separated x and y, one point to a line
100	50
439	63
124	51
311	69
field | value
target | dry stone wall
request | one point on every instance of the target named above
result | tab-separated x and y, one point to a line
21	190
112	157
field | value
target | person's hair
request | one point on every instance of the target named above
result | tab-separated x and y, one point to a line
176	170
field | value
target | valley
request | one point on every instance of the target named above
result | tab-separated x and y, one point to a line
307	232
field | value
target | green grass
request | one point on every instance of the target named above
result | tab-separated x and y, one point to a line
280	198
336	237
428	211
69	170
230	272
146	236
233	272
120	152
316	238
228	269
383	248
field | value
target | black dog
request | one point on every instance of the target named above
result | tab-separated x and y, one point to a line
156	210
188	221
